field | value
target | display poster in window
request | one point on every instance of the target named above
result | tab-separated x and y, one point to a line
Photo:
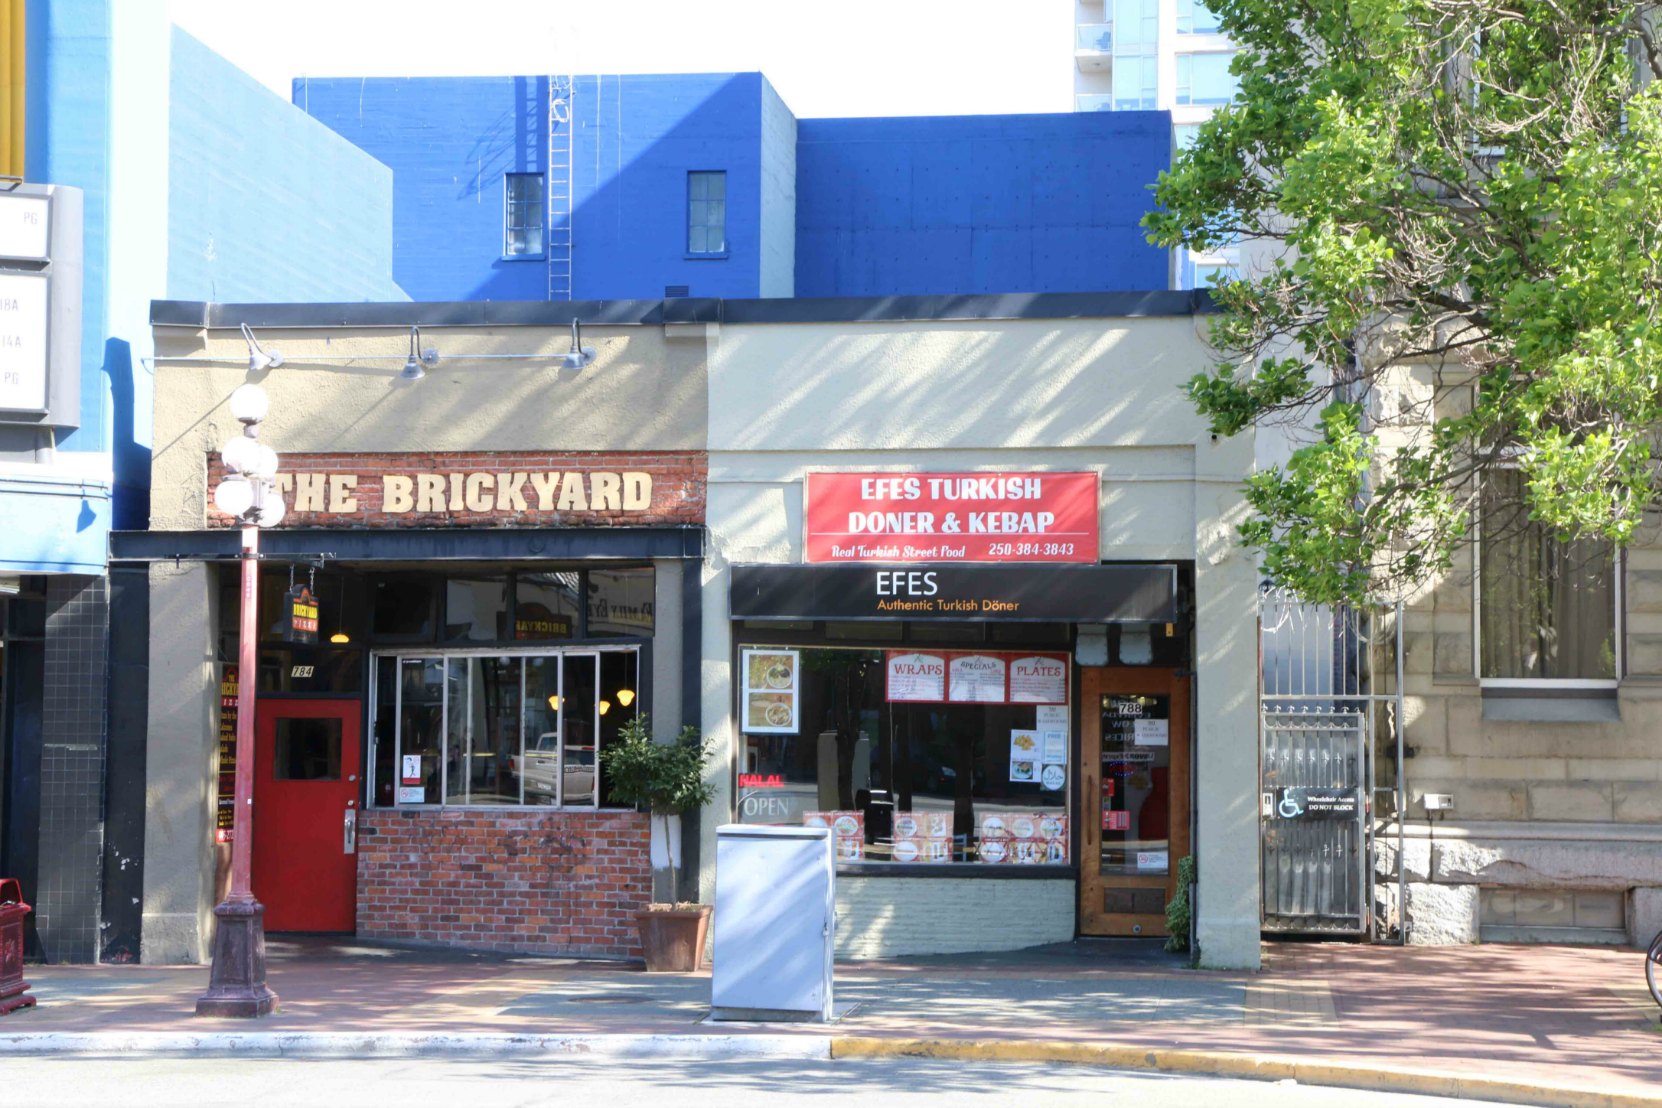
1024	757
975	679
769	699
299	615
951	517
1150	732
848	832
1039	679
1024	837
410	773
924	837
225	808
916	678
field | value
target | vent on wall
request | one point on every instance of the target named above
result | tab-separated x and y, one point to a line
671	292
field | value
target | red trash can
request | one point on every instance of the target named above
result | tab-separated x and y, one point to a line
12	911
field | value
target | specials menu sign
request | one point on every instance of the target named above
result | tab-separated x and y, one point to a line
951	517
975	677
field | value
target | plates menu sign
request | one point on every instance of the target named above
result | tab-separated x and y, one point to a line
770	701
977	677
848	832
951	517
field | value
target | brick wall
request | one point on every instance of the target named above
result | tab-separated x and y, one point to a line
353	489
523	880
889	917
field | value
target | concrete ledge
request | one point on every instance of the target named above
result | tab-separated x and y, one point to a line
1249	1066
406	1044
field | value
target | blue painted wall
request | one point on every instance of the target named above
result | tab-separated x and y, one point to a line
1019	203
264	202
621	153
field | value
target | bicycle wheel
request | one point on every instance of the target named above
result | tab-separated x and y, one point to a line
1653	968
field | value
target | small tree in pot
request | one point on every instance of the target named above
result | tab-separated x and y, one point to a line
664	779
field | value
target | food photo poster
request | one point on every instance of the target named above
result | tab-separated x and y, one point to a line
771	697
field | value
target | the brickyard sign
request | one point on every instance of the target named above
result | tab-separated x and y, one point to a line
486	490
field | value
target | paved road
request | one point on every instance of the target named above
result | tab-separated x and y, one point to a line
130	1082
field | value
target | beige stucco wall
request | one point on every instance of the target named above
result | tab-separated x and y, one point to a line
644	391
1100	395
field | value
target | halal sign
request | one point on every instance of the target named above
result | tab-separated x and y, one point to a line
300	615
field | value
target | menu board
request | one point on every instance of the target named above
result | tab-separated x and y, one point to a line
770	701
848	832
1039	679
916	678
225	808
976	679
922	837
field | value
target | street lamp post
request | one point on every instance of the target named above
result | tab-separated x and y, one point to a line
236	983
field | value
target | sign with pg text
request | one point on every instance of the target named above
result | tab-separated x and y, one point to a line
951	517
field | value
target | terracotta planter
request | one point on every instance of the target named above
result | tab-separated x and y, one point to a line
672	939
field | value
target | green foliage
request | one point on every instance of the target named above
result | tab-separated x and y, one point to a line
1179	912
663	778
1470	187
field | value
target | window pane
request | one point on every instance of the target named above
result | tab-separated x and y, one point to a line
578	725
1548	606
1205	79
420	730
706	212
698	186
457	708
486	749
384	736
1135	812
619	700
476	610
718	186
404	609
540	766
306	750
696	240
546	606
621	602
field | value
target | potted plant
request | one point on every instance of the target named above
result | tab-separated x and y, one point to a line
664	779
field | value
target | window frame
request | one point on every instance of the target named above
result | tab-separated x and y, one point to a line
401	654
726	245
1618	595
508	226
1180	90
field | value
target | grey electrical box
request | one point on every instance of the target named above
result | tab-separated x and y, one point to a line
775	922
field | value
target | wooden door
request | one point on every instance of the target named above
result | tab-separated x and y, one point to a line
1134	766
305	862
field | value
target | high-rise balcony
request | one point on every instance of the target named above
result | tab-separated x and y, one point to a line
1093	46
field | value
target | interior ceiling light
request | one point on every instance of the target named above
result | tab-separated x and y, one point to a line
579	355
259	359
626	697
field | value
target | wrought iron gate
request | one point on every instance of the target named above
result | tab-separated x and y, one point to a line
1320	725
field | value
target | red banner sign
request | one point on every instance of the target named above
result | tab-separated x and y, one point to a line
952	517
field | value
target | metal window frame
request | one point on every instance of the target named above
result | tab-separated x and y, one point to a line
532	198
701	206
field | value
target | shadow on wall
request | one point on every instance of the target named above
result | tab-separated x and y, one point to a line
130	459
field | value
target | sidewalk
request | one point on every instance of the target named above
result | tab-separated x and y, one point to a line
1530	1024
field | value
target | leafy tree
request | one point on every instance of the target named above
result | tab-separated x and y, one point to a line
1472	187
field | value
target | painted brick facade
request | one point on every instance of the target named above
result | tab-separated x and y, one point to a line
892	917
523	880
484	489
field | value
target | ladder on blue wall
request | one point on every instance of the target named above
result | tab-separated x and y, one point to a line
559	184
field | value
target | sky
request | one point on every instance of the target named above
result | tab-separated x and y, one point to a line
847	58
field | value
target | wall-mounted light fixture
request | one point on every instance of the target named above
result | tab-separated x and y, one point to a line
259	359
579	355
413	370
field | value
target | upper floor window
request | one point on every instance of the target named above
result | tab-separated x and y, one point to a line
1205	79
707	212
1546	607
1194	18
522	214
1136	82
1136	24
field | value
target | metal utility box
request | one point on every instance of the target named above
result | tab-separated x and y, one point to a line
775	922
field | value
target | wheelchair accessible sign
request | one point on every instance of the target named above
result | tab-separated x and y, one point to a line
1306	803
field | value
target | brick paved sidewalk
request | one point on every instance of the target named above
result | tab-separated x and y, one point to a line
1568	1017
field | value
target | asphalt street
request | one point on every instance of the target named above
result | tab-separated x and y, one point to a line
657	1083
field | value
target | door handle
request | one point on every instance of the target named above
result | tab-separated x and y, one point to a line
1096	808
349	837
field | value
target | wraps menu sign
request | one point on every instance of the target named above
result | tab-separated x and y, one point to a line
978	677
951	517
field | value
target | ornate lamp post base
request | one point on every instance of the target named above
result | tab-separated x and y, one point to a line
236	984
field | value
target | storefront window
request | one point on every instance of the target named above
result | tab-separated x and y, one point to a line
404	608
476	610
620	602
911	754
499	729
546	606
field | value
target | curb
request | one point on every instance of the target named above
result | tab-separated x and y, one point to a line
1259	1067
351	1044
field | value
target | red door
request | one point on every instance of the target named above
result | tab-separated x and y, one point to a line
306	769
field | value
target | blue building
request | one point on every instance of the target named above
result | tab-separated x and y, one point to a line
192	180
596	188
